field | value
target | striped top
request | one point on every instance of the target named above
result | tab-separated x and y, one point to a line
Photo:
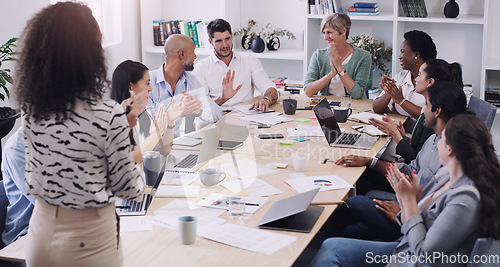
84	161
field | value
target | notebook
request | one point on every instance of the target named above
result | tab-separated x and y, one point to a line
334	136
129	207
293	214
190	160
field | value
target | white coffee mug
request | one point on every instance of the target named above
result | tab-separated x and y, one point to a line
211	176
301	161
187	229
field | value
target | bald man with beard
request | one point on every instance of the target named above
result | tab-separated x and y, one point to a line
174	78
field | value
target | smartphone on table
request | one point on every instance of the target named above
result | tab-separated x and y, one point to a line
270	136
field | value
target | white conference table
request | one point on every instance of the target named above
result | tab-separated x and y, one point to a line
162	247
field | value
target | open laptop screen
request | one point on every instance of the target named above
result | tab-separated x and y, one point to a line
327	120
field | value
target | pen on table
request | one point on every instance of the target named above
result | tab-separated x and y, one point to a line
358	127
252	204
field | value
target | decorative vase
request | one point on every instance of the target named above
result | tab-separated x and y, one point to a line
273	43
258	45
451	9
244	44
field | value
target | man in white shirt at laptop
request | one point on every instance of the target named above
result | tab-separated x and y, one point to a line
230	78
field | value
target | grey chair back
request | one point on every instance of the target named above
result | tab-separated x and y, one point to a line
484	249
484	110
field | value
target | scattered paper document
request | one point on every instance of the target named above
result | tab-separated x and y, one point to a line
256	240
178	191
369	129
245	109
221	201
247	169
257	187
180	207
172	222
136	224
325	183
178	178
268	118
305	130
365	116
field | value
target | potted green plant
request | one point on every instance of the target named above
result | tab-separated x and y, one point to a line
8	115
379	51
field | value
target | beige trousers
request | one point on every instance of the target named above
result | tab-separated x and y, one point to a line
66	237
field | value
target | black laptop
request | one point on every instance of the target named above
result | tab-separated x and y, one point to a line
334	135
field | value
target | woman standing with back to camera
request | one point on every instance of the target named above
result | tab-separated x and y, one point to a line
77	148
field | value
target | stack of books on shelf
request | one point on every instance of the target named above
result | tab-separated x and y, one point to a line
196	30
294	86
324	7
363	9
493	96
278	81
414	8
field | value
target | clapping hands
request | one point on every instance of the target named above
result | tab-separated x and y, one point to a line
136	104
390	88
388	126
406	189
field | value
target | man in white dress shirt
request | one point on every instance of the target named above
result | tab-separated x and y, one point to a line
230	78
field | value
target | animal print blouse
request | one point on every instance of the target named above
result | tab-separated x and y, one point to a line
84	161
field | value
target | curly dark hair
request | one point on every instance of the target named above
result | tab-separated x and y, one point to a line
218	25
422	43
61	59
472	146
125	73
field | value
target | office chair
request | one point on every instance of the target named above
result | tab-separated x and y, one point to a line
4	202
483	110
485	246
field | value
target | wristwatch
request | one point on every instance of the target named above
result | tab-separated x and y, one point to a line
341	74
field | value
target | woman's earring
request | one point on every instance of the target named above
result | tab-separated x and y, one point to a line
416	63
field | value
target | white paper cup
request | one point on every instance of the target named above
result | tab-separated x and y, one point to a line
301	161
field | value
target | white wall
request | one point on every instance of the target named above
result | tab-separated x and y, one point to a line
18	12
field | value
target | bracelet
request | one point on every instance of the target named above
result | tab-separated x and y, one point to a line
402	101
170	127
374	162
268	99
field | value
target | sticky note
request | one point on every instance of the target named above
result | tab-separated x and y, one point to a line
242	193
302	120
301	139
286	142
280	165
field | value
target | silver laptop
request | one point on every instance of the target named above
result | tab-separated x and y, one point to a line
334	135
293	214
129	207
190	160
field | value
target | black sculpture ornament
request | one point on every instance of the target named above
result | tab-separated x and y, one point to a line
451	9
258	45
